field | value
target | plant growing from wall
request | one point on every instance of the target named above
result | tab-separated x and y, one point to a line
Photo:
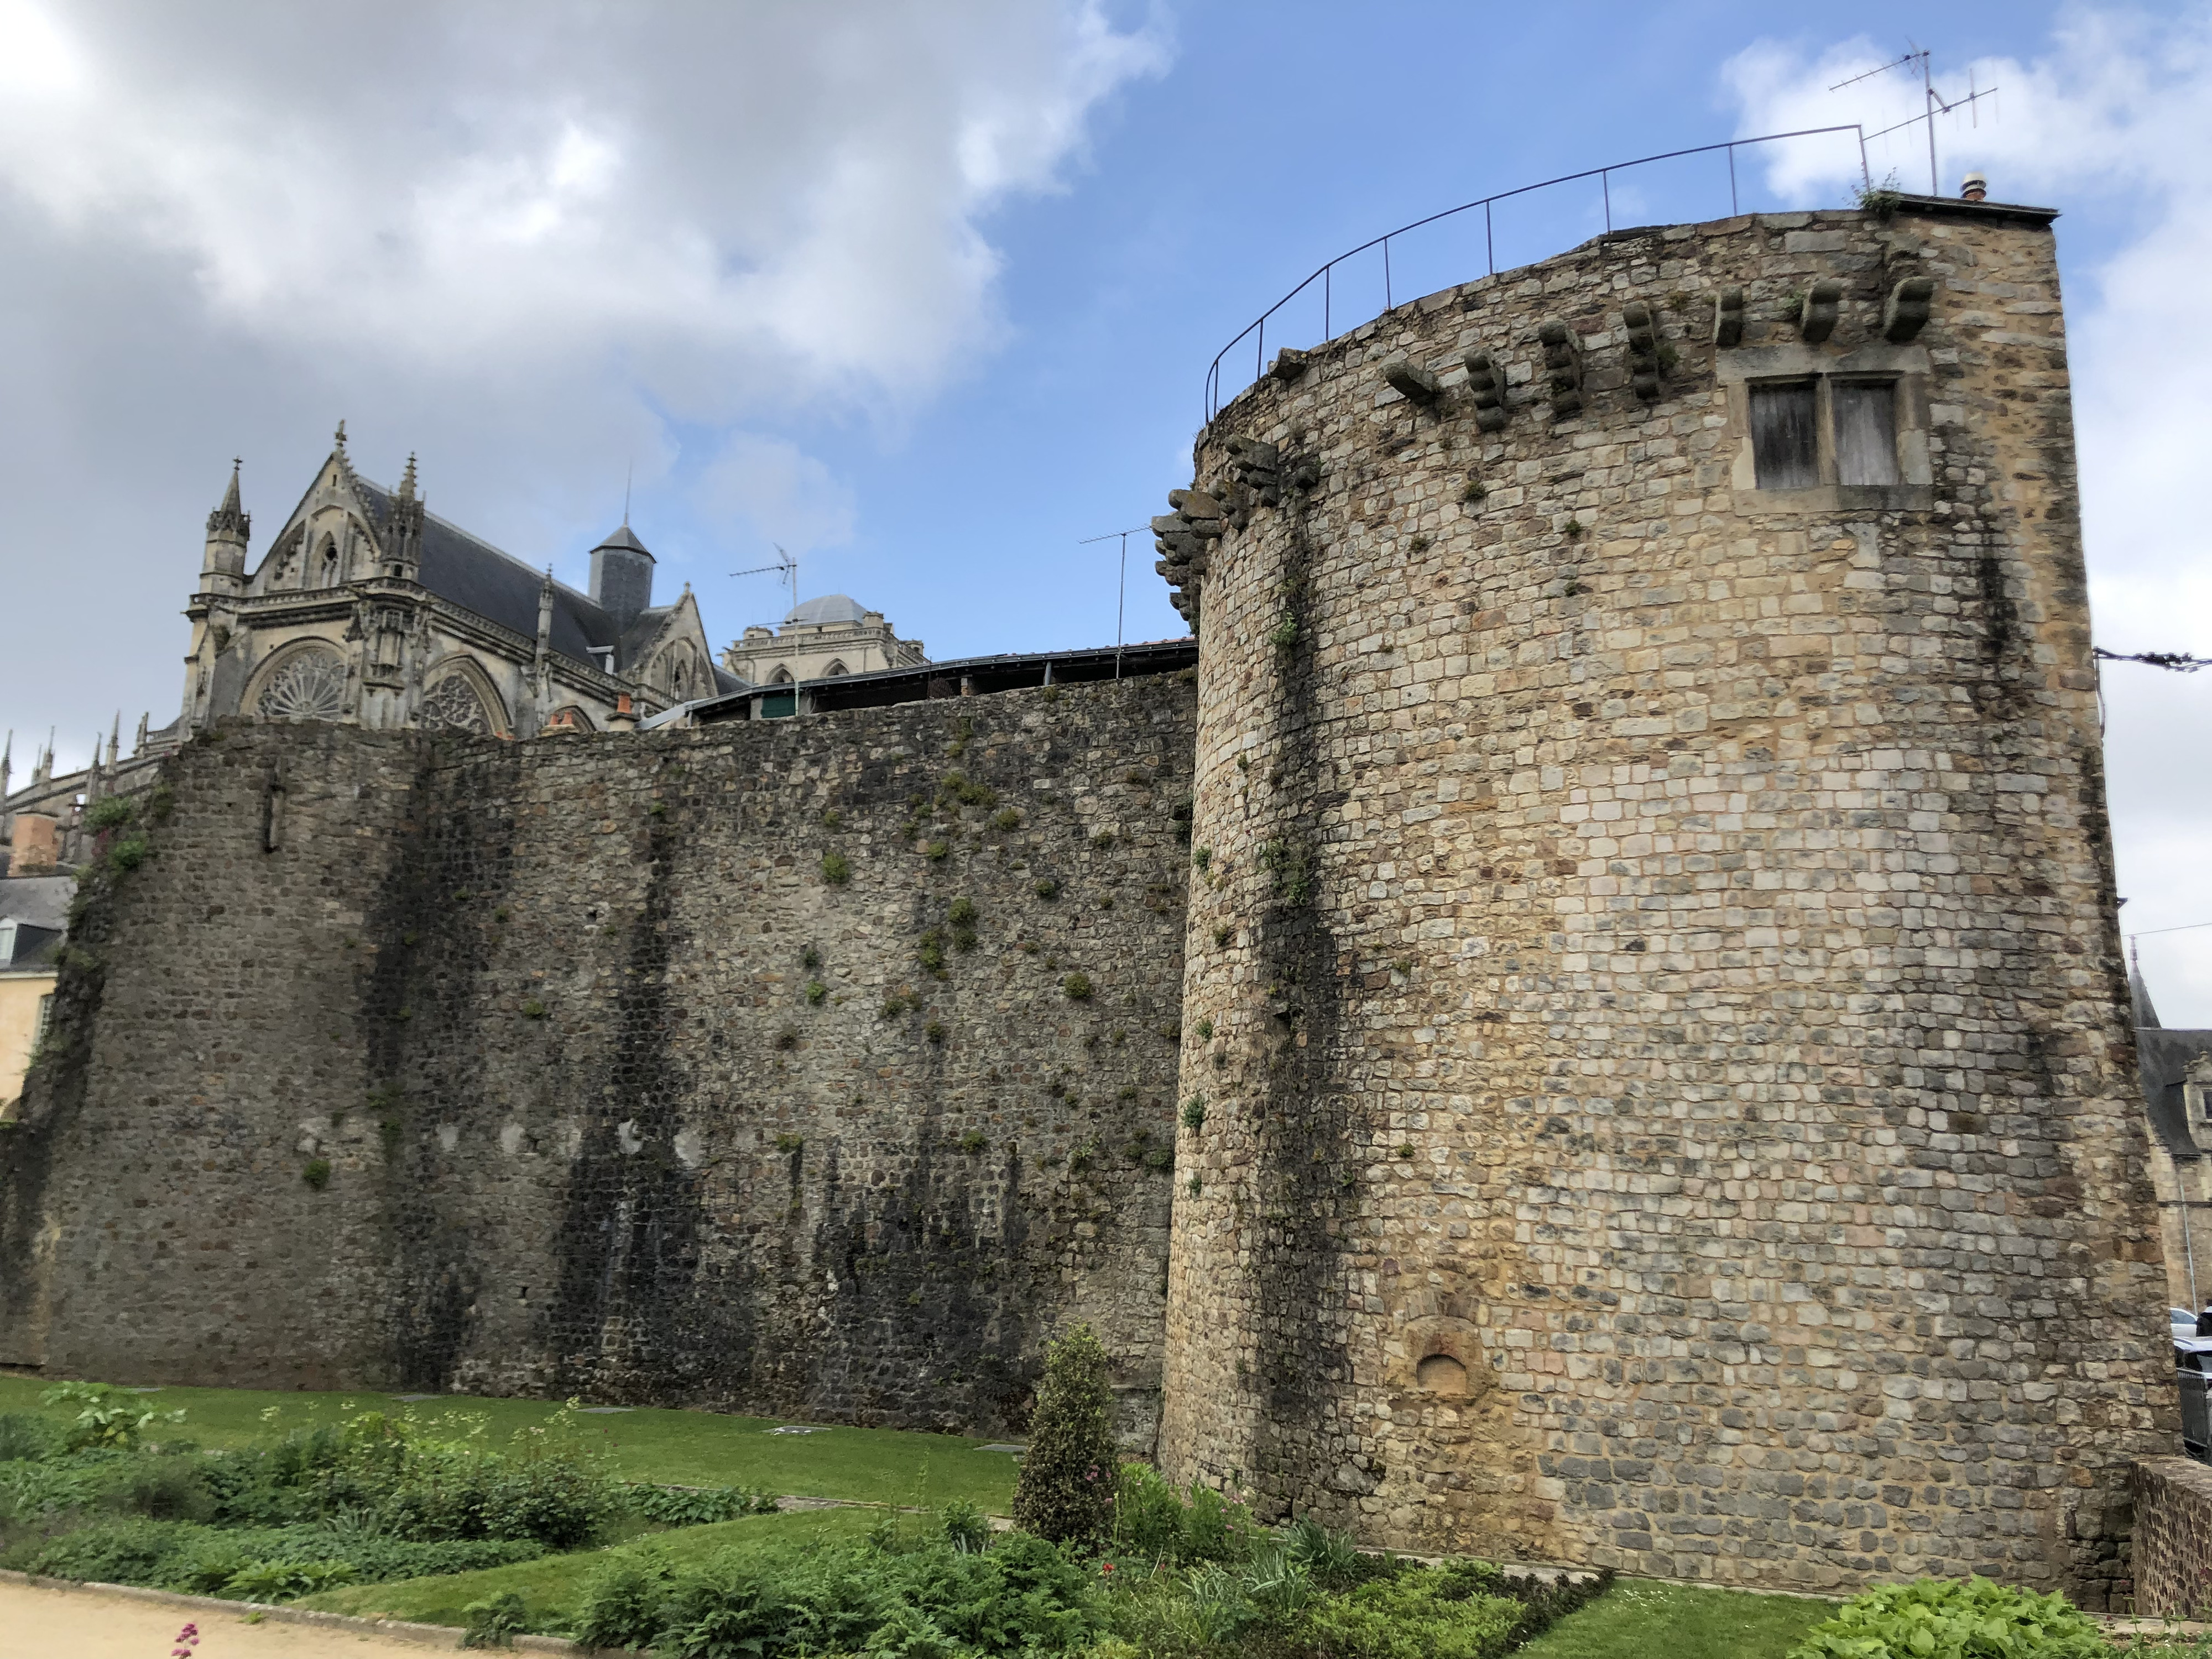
1066	1490
1047	890
1076	987
836	869
532	1008
317	1173
128	852
109	812
1290	868
1193	1114
815	991
1205	1030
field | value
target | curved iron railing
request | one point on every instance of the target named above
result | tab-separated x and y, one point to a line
1257	329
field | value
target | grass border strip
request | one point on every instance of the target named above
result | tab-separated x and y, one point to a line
447	1636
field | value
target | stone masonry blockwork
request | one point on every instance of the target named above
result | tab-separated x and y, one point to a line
621	1094
1669	1097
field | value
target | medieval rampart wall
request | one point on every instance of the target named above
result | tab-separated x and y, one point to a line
609	1083
1654	978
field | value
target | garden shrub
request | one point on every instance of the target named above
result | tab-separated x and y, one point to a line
494	1621
262	1563
1953	1618
928	1602
677	1506
1414	1615
29	1439
1067	1481
623	1601
105	1416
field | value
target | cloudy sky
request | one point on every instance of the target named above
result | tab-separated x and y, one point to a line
924	292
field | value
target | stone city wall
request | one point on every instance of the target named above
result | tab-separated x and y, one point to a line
817	1066
2172	1554
1653	975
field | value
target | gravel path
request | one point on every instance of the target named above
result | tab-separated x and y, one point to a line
40	1622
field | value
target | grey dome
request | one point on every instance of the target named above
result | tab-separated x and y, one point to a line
829	608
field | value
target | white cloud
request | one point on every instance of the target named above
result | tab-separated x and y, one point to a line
461	185
533	239
781	494
2117	112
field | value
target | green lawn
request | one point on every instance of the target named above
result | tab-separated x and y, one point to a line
550	1588
1642	1619
676	1447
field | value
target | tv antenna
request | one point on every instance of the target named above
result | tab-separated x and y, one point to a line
1121	593
784	566
1934	100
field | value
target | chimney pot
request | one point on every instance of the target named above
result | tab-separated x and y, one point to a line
1974	187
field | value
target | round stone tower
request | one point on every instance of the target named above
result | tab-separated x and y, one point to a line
1654	1017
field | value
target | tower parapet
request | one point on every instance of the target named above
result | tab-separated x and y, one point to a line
1655	981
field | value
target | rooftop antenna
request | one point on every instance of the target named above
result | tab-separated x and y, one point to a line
1122	594
1935	103
629	468
784	566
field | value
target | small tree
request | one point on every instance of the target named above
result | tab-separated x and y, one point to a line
1065	1490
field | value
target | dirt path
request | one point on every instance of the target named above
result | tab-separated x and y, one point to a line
39	1622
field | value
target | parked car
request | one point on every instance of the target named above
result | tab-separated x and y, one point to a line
2192	1375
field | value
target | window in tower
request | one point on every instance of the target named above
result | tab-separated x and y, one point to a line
1866	432
1785	440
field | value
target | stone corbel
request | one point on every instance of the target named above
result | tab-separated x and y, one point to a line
1563	367
1257	468
1905	311
1184	540
1289	364
1816	318
1412	382
1485	383
1645	371
1727	318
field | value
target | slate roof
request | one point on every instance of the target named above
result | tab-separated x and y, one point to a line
37	901
2164	1057
477	576
40	902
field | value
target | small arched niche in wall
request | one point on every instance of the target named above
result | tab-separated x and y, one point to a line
1441	1374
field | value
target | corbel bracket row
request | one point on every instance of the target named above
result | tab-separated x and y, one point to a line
1903	312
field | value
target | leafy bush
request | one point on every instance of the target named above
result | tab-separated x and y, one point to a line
1952	1618
262	1563
494	1621
677	1506
931	1602
29	1439
967	1528
1076	987
1067	1481
285	1580
1416	1615
109	812
837	869
105	1416
129	852
623	1601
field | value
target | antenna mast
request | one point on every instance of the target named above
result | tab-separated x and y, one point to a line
784	566
1933	101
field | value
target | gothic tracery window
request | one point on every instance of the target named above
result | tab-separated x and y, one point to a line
309	685
453	705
